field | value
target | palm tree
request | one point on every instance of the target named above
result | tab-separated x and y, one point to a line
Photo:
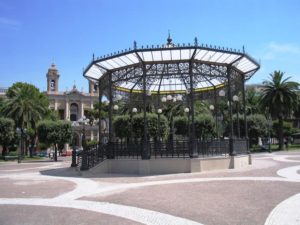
25	105
252	101
279	98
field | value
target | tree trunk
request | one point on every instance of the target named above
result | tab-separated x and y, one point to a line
4	150
280	132
31	148
55	153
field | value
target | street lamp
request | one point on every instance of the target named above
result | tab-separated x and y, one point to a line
159	112
212	109
83	120
164	99
74	164
235	98
221	93
84	165
116	107
134	110
187	111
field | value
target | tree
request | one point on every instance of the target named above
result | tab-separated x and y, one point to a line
279	98
204	126
99	111
54	132
121	126
181	125
153	127
6	133
288	128
25	105
252	101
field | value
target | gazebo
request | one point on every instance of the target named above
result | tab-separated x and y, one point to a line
169	74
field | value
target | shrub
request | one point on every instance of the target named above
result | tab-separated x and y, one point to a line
204	126
121	125
181	125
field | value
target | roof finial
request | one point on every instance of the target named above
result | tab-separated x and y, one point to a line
243	49
169	40
74	86
196	41
134	45
93	56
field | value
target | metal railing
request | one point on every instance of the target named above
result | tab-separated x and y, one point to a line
93	155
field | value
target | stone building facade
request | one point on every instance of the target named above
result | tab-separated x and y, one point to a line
72	106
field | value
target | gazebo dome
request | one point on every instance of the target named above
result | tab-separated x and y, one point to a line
168	67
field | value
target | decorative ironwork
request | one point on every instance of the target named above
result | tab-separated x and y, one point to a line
145	75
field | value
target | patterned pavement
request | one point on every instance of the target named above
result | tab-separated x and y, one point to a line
268	192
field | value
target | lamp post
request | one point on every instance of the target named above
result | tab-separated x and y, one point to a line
19	133
212	109
74	164
221	94
159	112
187	111
171	100
235	98
84	166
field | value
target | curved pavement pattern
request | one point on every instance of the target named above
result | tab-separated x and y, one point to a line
286	212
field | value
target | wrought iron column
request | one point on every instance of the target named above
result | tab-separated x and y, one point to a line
193	143
245	112
110	108
131	115
158	116
145	152
99	113
231	147
216	111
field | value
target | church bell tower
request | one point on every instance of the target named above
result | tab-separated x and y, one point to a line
52	79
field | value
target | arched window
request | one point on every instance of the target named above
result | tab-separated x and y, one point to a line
52	85
73	112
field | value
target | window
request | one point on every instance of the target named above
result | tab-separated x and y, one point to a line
52	85
73	112
61	114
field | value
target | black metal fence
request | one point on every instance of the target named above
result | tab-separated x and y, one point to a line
93	155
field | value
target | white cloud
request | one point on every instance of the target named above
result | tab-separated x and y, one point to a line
275	50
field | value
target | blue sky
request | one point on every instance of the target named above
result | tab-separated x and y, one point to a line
35	33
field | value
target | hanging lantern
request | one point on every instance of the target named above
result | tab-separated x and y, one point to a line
186	110
116	107
211	107
163	99
159	111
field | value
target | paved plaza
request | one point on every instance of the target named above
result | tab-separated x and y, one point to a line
268	192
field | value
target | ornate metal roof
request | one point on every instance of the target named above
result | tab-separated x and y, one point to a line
167	67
